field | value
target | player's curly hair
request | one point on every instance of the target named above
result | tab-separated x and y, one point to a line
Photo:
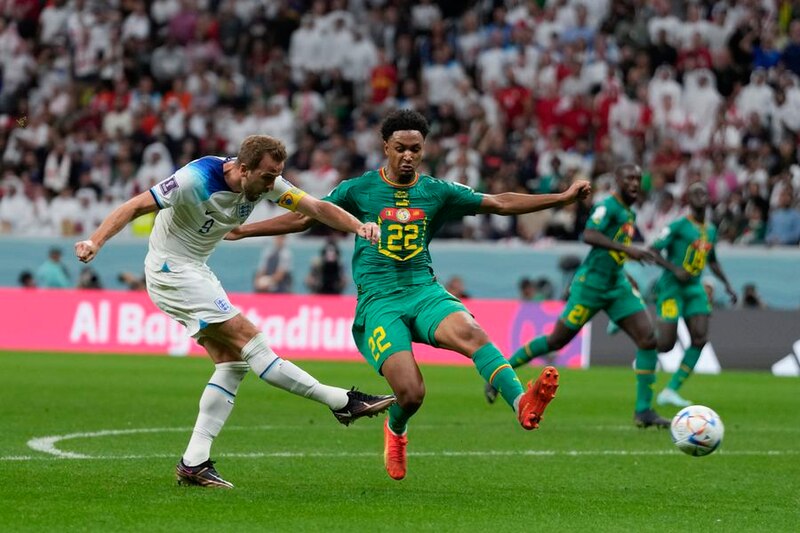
253	148
404	120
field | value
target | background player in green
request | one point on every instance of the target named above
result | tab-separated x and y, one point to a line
600	283
399	298
689	244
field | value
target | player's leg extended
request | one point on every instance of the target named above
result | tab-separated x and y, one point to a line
405	379
580	307
346	405
460	332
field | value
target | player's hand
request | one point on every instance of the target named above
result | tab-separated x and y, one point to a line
732	295
369	231
682	274
234	235
86	250
579	190
643	255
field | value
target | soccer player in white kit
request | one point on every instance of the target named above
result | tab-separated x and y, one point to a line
197	206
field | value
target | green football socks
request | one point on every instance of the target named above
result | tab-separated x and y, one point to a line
533	349
690	357
398	419
494	368
645	378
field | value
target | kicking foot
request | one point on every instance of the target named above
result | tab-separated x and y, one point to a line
360	404
648	417
671	397
490	393
394	452
537	397
203	475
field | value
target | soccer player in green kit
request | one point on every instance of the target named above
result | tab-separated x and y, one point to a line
399	298
689	245
600	283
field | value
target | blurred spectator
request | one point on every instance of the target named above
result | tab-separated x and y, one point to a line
89	279
134	282
53	274
455	286
750	297
26	280
326	275
527	290
274	273
783	226
537	290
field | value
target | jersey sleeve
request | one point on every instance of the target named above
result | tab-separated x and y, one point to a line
341	196
285	194
461	200
184	187
599	218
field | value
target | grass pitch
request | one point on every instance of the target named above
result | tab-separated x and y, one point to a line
126	421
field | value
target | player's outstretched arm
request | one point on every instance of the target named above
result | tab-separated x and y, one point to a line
288	223
119	218
595	238
337	218
309	211
512	203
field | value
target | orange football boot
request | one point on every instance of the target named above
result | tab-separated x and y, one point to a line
535	400
394	452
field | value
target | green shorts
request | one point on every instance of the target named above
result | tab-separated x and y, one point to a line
677	300
584	301
387	323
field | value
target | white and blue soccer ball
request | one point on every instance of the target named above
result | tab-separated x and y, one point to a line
697	430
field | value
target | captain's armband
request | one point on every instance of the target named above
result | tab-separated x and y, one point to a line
291	198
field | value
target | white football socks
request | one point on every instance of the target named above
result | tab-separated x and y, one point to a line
216	405
287	376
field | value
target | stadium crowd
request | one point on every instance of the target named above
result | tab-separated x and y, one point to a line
101	100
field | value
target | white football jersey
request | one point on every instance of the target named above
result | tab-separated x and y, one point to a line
197	209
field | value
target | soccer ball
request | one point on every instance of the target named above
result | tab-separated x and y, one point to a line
697	430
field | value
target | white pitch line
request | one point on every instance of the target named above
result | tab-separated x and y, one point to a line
441	453
47	445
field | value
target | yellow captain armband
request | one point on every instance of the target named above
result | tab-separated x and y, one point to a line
291	198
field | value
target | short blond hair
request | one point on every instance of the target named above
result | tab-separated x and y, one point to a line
254	147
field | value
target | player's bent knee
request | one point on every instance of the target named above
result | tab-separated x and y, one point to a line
665	343
647	343
411	397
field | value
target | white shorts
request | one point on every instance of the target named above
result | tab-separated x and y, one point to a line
191	294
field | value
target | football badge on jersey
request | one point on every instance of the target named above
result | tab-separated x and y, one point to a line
402	214
222	304
244	210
